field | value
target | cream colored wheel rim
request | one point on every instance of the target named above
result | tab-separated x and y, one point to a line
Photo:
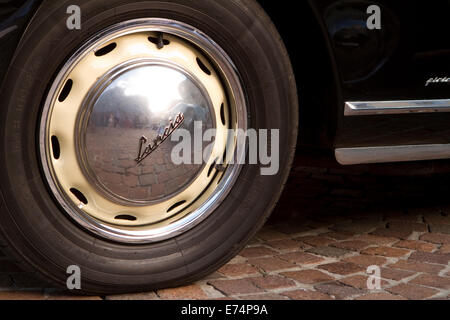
80	142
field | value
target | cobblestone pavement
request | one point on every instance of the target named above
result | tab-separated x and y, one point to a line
330	225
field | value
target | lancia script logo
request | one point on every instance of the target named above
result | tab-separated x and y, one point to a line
173	125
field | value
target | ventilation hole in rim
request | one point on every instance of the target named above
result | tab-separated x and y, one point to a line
176	205
56	148
211	168
126	217
203	67
80	196
66	90
222	113
156	41
224	167
224	159
105	50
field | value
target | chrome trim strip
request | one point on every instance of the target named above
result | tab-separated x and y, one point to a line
363	108
350	156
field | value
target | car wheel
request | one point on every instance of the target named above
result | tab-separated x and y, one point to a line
88	177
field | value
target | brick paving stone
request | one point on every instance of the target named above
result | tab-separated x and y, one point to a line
375	240
66	297
335	215
440	228
288	244
238	270
444	249
214	276
238	260
409	226
22	295
356	226
308	276
183	293
329	251
342	268
315	241
272	282
306	295
330	217
380	296
235	287
355	245
264	297
430	257
393	233
395	274
291	228
338	290
301	258
339	235
445	210
366	261
255	242
367	214
401	216
415	245
424	211
359	282
317	224
386	252
271	264
413	292
437	238
137	296
436	219
256	252
432	281
417	266
268	234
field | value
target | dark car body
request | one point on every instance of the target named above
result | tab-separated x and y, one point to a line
338	60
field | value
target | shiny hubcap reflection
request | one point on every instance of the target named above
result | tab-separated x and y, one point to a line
108	120
140	103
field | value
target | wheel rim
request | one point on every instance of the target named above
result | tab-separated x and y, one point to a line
100	150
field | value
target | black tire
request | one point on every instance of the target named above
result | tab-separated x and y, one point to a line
37	232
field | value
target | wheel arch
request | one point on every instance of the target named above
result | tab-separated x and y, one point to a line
318	81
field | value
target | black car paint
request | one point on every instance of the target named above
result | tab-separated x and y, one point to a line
393	63
336	58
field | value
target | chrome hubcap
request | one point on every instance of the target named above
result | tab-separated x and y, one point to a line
108	120
136	104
